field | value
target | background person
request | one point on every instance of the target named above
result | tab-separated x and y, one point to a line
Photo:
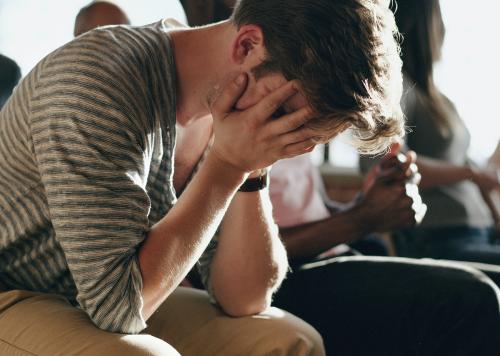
10	73
311	223
458	222
99	13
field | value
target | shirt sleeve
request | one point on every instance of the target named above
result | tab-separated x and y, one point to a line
294	195
93	163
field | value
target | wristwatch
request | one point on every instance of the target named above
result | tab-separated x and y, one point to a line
256	183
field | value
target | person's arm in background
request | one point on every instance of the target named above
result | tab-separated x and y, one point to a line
438	173
388	202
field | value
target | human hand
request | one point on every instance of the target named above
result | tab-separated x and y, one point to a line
391	197
253	139
396	167
486	179
390	205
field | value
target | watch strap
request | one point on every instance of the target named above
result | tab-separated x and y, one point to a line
255	184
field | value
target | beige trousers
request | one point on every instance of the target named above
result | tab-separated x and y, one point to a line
45	324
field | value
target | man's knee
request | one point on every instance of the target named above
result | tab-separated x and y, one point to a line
132	345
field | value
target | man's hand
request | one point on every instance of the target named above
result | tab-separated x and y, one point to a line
253	139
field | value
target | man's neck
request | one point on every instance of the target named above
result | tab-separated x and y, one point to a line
201	58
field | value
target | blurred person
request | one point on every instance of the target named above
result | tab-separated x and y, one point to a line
10	73
459	220
99	224
207	11
99	13
311	223
493	199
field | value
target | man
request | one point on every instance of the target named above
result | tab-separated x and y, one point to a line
106	131
99	13
90	178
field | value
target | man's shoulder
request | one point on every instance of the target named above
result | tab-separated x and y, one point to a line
111	54
129	42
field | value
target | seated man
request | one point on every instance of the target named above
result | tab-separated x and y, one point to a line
102	137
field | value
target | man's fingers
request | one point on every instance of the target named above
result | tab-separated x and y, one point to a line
291	121
390	175
298	148
412	156
296	136
269	104
420	213
415	178
229	96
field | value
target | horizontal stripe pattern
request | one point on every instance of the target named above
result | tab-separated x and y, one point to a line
86	167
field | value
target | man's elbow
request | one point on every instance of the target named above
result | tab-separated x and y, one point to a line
253	300
241	308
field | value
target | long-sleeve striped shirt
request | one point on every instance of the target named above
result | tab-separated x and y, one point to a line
86	165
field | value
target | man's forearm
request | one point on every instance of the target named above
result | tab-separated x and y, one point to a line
177	241
250	261
310	240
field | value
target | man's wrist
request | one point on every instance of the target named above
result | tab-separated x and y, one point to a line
362	218
258	173
255	184
227	170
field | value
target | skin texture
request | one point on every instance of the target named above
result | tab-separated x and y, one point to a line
216	88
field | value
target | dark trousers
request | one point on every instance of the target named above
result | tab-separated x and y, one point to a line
395	306
459	243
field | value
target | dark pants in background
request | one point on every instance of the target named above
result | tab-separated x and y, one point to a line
459	243
395	306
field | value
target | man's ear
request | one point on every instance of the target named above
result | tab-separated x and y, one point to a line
248	46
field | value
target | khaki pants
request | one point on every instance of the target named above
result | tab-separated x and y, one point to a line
45	324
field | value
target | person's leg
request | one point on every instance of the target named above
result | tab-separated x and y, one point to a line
370	245
396	306
492	271
193	326
47	325
451	243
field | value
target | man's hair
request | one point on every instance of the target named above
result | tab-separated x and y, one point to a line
346	57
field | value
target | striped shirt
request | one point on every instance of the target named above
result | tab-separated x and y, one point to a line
86	168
